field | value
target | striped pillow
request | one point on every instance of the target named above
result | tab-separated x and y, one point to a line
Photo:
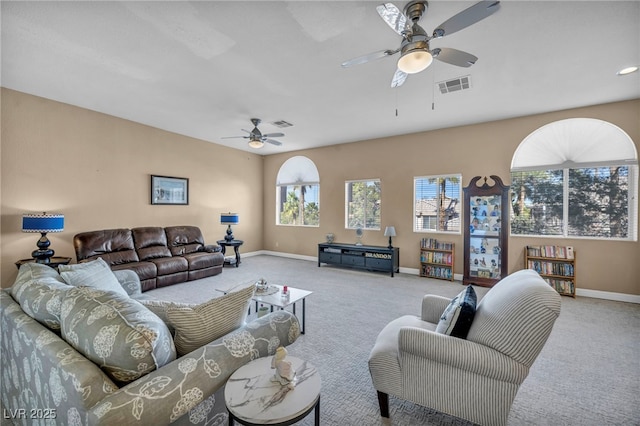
198	325
457	317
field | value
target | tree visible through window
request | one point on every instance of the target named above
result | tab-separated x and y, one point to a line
591	192
437	206
363	204
300	206
298	193
594	199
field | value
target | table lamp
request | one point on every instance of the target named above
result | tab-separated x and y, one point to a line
43	223
390	231
229	219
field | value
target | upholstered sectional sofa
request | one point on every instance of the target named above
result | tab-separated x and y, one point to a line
95	355
160	256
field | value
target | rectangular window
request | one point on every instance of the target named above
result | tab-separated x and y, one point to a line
594	202
362	204
298	205
436	203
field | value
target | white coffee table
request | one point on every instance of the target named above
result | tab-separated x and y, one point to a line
276	300
253	399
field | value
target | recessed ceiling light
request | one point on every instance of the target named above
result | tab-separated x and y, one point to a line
627	70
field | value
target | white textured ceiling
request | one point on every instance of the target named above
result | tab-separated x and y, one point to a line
203	69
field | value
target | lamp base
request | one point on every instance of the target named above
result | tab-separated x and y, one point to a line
390	246
229	236
44	253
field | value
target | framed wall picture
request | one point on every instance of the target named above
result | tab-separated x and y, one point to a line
169	190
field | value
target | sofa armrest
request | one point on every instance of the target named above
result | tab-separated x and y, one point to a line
41	372
460	354
212	248
165	395
129	280
433	306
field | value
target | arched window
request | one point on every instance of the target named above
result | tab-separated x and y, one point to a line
575	178
298	193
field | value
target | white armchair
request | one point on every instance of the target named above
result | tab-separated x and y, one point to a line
475	379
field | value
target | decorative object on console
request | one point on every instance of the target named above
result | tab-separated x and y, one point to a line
390	231
285	374
330	238
169	190
359	236
229	219
43	223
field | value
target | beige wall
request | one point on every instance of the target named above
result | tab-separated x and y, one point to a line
476	150
95	169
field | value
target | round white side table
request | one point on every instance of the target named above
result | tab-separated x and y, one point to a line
253	399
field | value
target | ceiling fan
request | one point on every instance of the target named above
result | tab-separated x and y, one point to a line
256	138
415	54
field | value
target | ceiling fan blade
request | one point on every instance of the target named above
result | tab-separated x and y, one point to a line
369	57
398	78
393	17
454	57
273	135
235	137
272	141
467	17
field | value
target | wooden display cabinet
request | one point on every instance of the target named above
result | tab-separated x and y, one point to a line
486	219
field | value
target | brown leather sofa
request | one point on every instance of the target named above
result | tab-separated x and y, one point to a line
160	256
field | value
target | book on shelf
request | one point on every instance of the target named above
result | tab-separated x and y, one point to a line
437	272
555	252
552	268
434	244
436	257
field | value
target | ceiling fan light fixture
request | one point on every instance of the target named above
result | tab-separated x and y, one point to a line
415	61
415	57
255	144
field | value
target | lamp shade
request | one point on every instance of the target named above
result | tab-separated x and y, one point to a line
390	231
415	61
42	222
256	144
229	219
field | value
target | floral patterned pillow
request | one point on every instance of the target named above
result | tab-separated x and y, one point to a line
39	291
117	333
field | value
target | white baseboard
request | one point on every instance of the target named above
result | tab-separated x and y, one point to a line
582	292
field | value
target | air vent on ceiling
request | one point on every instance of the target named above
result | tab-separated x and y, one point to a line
282	124
455	85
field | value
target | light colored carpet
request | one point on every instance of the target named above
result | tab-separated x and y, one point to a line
587	374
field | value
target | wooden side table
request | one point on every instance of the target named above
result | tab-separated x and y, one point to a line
236	248
53	262
252	398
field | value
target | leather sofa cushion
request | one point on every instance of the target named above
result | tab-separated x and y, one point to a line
202	260
114	246
150	242
145	270
170	265
184	239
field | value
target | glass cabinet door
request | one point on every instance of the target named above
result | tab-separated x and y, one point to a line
485	239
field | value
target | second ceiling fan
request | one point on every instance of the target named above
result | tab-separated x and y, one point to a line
256	138
415	53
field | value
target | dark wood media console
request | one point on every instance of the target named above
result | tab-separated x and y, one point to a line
373	258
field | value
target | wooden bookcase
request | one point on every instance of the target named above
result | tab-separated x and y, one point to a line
437	259
556	264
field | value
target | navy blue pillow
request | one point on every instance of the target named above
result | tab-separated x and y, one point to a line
457	317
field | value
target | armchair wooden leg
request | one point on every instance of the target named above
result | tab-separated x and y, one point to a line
383	401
